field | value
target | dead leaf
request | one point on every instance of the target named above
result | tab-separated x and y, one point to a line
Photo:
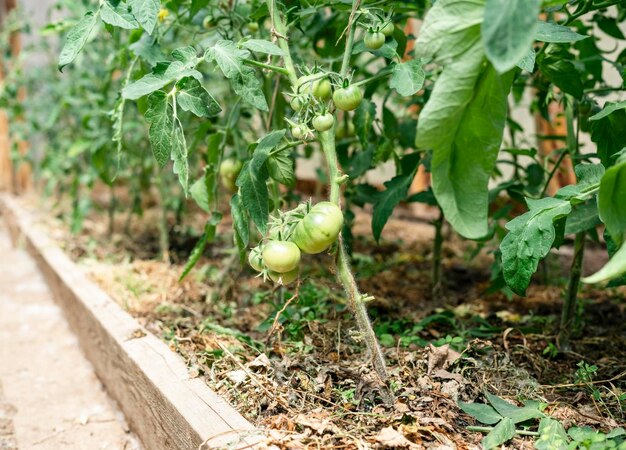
391	438
440	358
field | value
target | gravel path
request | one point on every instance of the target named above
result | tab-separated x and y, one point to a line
50	397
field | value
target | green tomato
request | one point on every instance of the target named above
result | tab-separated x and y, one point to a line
255	259
252	27
348	98
296	104
341	131
281	256
229	171
322	89
298	131
323	122
374	40
208	22
319	228
387	29
284	278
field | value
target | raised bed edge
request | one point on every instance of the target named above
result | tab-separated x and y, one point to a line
164	406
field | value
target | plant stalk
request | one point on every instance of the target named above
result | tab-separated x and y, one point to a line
436	261
344	273
570	302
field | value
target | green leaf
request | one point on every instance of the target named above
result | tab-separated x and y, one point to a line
563	74
517	414
408	77
253	177
148	50
508	30
395	191
179	155
146	12
583	217
616	267
193	97
612	201
481	412
263	46
388	50
228	57
527	63
248	87
160	116
589	176
76	39
501	433
280	167
198	249
240	220
608	109
201	194
469	102
118	16
529	240
552	435
608	134
551	32
162	75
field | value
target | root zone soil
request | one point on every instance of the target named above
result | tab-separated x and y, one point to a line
291	361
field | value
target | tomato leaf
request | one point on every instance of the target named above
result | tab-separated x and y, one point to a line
517	414
583	217
280	167
263	46
552	435
608	133
481	412
249	88
193	97
159	115
608	109
501	433
508	30
408	77
118	16
612	201
207	236
529	240
527	63
163	74
588	176
563	74
552	32
228	57
76	39
146	12
241	221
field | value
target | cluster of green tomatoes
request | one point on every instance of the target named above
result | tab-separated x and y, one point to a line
307	229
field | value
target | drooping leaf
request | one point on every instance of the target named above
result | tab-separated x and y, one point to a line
207	236
163	74
508	30
563	74
240	220
612	201
615	268
501	433
193	97
76	39
148	50
146	12
201	194
608	134
552	32
118	16
263	46
395	191
588	176
228	57
248	87
280	167
529	240
608	109
481	412
408	77
517	414
583	217
552	435
160	117
179	155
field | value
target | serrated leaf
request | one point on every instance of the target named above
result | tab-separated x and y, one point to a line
187	55
240	220
609	108
508	30
162	75
179	155
481	412
193	97
408	77
146	12
583	217
228	57
529	240
589	176
76	39
501	433
552	32
118	16
387	51
527	63
248	87
563	74
198	249
280	167
148	50
552	435
263	46
608	134
395	191
201	194
160	116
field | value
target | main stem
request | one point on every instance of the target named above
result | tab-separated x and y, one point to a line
344	273
570	303
436	261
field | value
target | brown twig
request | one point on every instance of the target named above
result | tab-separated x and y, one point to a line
275	324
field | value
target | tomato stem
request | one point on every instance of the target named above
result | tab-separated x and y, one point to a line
252	62
280	32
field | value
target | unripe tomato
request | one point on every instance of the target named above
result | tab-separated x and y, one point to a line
298	131
323	122
322	89
252	27
387	29
319	228
255	259
374	40
281	256
229	171
207	22
341	131
284	278
348	98
296	104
